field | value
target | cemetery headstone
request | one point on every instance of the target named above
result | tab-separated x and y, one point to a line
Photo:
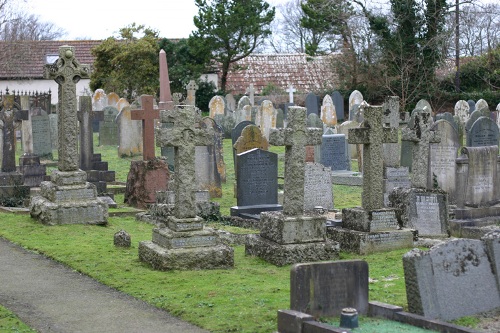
113	99
68	198
317	188
328	112
40	124
108	128
482	105
185	243
338	102
449	118
251	94
457	272
391	119
266	117
421	104
312	105
324	289
472	105
129	131
484	132
191	88
244	101
280	118
334	153
355	98
230	103
462	111
122	239
216	106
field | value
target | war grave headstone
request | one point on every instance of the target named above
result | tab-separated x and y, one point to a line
324	289
97	170
442	159
257	183
129	131
477	194
68	198
454	279
372	227
290	236
266	117
29	164
318	191
312	105
338	102
472	105
185	243
209	160
216	106
12	189
108	128
422	207
328	112
150	175
484	132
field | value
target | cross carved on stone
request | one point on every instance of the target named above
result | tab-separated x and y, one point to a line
372	135
191	92
251	92
67	71
419	132
10	113
148	115
184	137
85	116
295	137
290	92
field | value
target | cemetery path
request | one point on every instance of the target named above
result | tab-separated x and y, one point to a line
51	297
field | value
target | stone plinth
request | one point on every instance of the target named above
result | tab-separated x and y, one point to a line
291	239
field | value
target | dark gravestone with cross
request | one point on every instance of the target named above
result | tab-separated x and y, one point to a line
12	190
97	170
68	198
185	243
150	175
290	236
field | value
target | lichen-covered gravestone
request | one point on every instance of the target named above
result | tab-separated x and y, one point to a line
328	112
290	236
68	198
185	243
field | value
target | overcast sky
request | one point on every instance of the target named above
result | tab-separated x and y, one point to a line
99	19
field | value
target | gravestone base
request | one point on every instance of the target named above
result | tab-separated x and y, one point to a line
383	219
144	179
370	242
197	248
68	199
286	254
12	191
470	222
253	212
287	240
33	172
344	177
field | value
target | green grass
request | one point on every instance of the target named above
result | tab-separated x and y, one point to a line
9	322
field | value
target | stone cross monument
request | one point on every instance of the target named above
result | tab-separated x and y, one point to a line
372	135
185	243
419	132
191	92
290	92
148	115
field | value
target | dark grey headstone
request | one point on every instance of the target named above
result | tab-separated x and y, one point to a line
257	182
406	154
324	289
334	152
42	143
451	280
484	132
280	118
285	107
338	101
312	104
472	106
108	128
313	120
448	117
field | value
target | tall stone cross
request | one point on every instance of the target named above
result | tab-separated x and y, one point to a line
184	137
419	132
166	102
251	92
67	72
372	135
148	115
290	92
10	113
85	117
295	137
191	92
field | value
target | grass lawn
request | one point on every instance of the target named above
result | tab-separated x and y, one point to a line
243	299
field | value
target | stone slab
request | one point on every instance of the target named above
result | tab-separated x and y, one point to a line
284	229
281	255
324	289
169	239
350	178
358	219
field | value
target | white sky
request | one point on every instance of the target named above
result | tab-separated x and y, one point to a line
99	19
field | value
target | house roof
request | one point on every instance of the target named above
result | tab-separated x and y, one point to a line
305	73
26	59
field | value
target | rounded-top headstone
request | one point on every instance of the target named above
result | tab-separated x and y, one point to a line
355	98
462	110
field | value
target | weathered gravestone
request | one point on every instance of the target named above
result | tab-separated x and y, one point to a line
328	112
280	118
129	131
257	183
108	128
344	129
395	177
230	103
391	119
251	94
324	289
475	116
314	121
185	243
40	135
472	105
191	89
99	102
167	103
12	190
449	118
249	138
68	198
338	102
371	227
54	136
312	104
484	132
290	236
462	111
243	114
334	153
266	117
317	188
236	133
482	106
455	279
355	98
150	175
216	106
